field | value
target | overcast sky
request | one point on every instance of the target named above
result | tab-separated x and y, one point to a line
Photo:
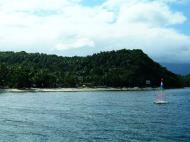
161	28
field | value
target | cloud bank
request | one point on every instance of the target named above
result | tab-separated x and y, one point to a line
68	27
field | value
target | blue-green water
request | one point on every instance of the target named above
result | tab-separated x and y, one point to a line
94	116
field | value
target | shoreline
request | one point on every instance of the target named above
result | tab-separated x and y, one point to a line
77	89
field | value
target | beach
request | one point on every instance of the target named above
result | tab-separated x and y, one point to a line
86	89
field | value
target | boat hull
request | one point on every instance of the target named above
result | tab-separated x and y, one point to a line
161	102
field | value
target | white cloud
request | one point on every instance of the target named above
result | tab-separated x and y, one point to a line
155	14
54	26
75	43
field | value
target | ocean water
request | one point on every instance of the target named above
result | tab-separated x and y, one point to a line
107	116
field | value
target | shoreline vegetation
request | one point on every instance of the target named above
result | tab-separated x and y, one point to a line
111	69
86	89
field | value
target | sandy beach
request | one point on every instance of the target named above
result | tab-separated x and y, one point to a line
76	89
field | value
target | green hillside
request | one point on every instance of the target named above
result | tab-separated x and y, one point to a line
123	68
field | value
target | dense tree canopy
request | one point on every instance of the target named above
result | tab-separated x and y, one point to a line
123	68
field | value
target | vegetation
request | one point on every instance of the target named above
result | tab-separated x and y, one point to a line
123	68
185	80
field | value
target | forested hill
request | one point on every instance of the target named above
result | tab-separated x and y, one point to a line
123	68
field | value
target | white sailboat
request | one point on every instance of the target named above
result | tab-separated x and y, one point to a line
161	99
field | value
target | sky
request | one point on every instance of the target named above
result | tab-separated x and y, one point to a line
161	28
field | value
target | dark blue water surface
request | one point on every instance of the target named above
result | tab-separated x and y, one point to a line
94	116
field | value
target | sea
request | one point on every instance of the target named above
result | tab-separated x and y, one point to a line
102	116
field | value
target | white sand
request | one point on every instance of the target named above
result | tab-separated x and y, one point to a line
75	89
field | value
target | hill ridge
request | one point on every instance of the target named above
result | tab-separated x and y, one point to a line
121	68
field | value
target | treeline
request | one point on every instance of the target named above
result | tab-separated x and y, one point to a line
123	68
